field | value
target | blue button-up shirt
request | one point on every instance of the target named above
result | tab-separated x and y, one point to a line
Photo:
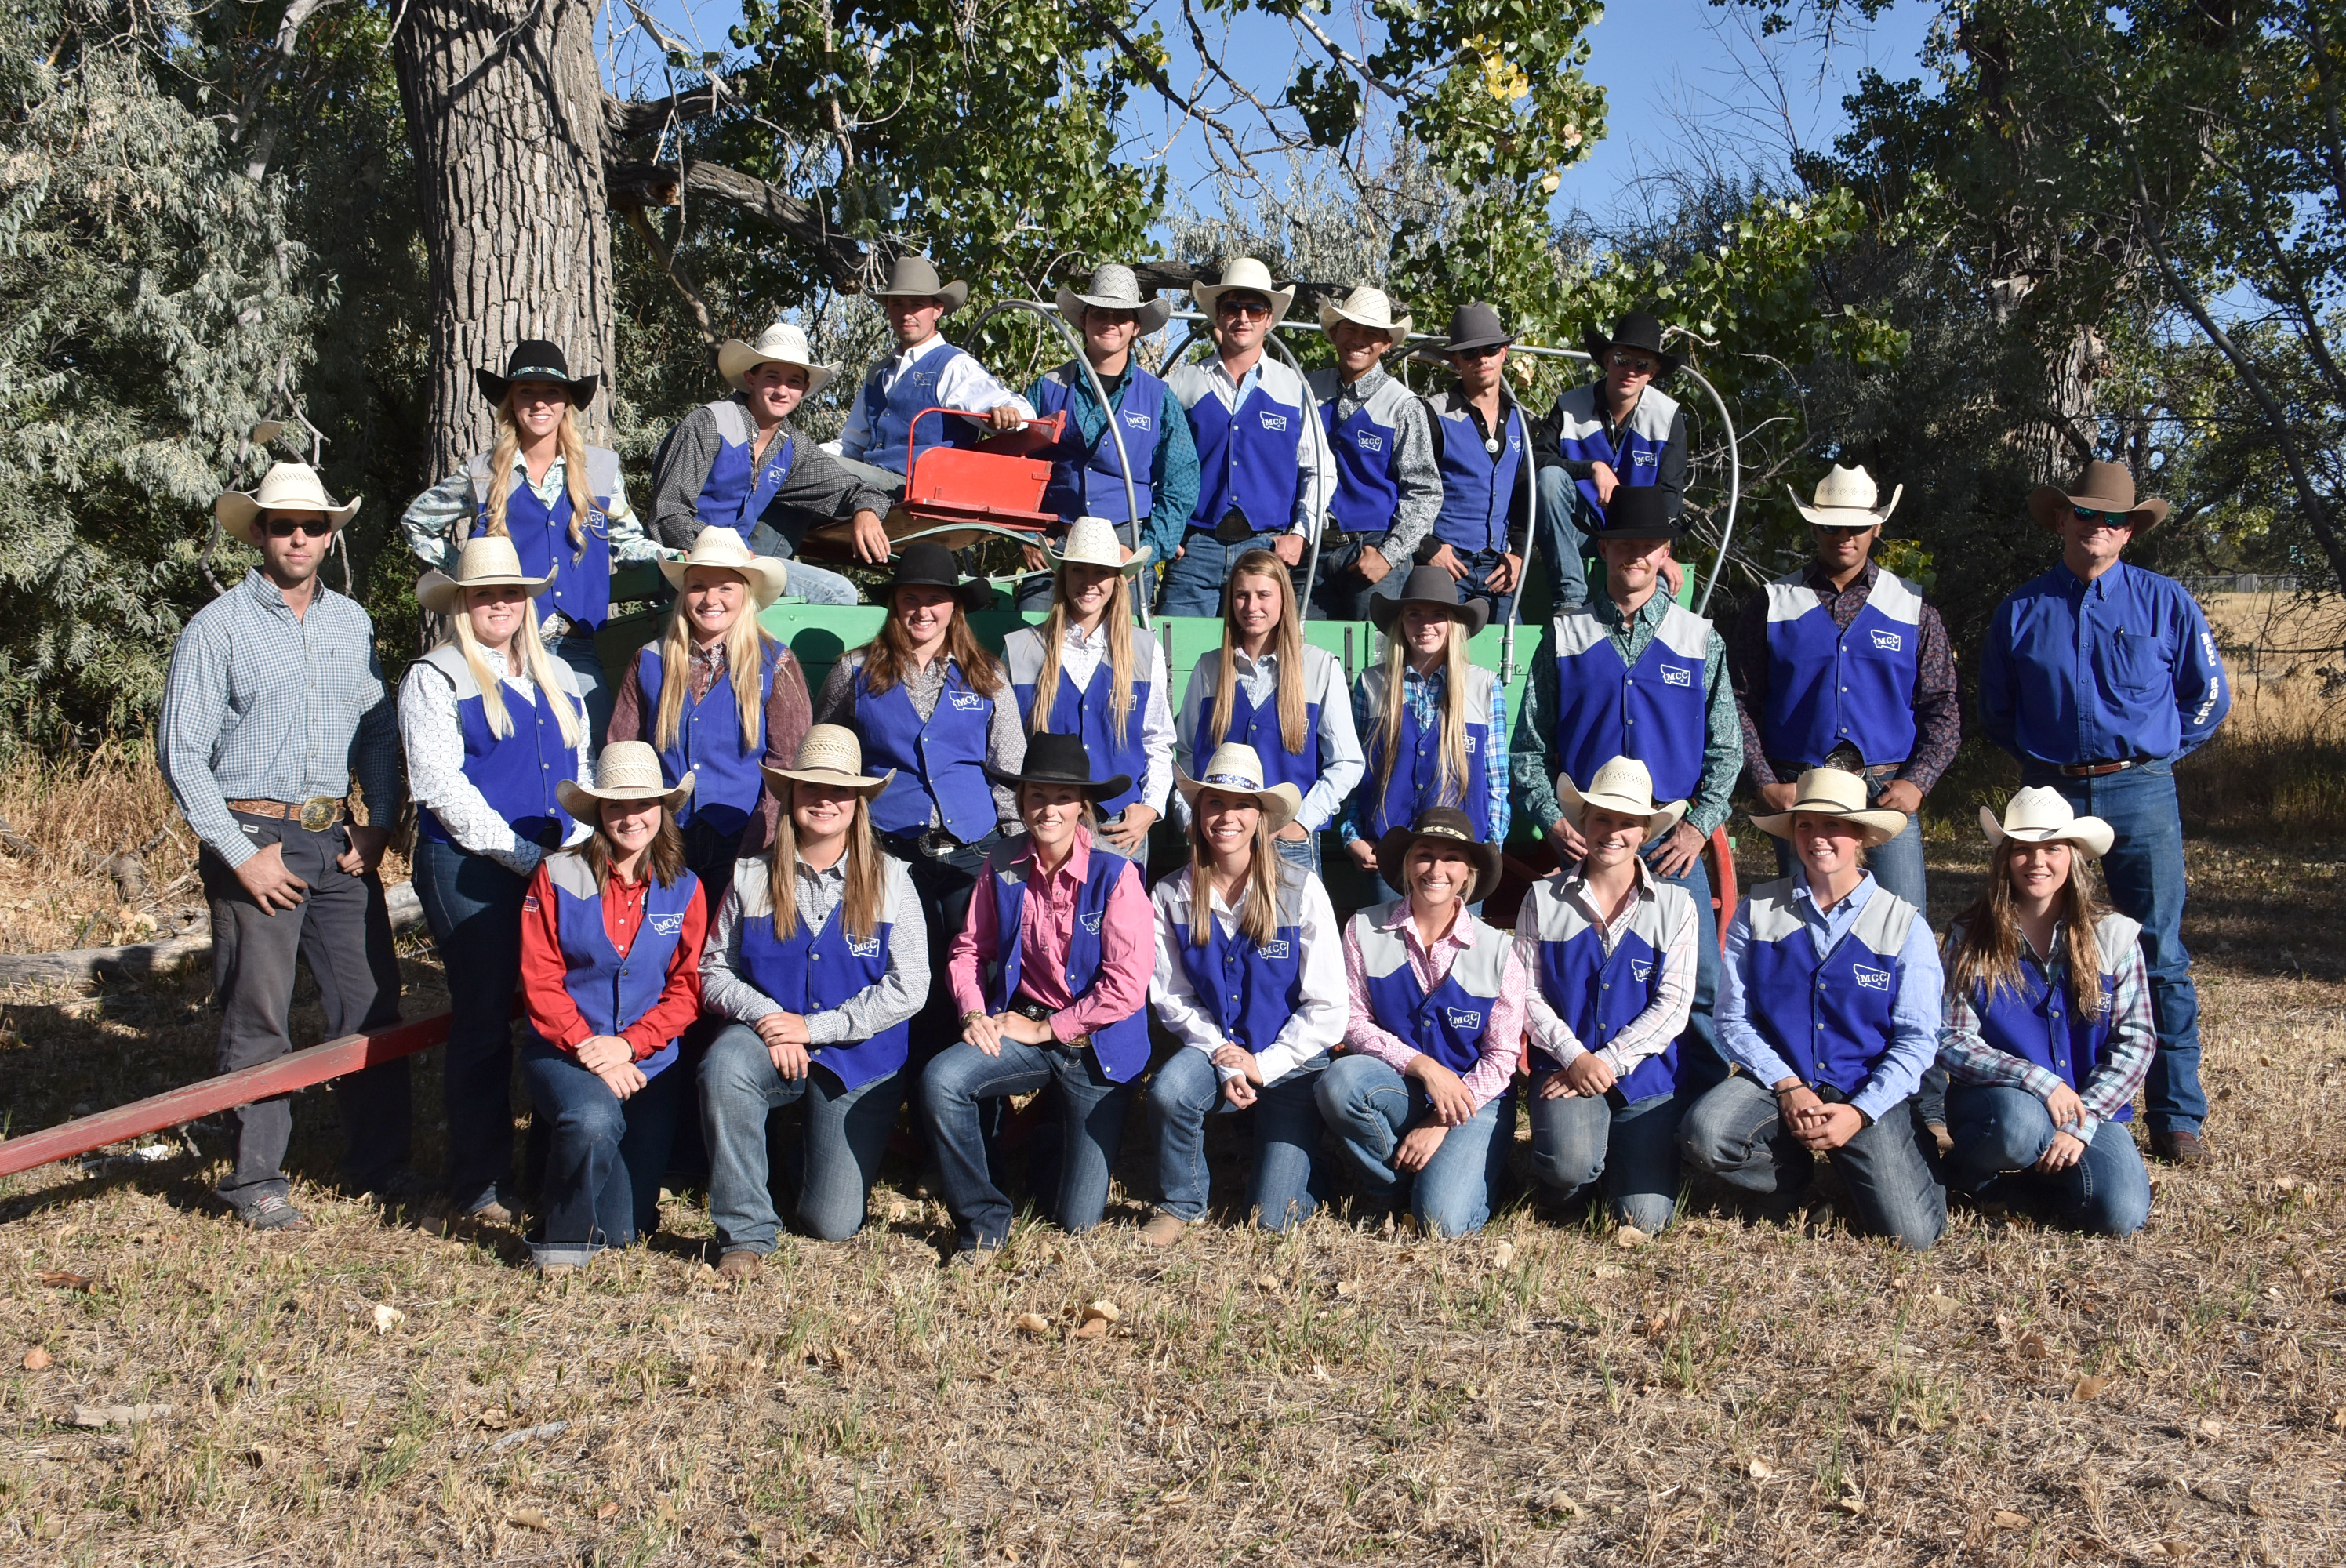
2118	668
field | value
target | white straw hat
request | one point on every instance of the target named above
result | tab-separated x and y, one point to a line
1234	769
486	561
829	755
2043	816
1622	785
1114	288
1832	792
1092	542
780	344
627	771
1366	307
719	546
1246	274
1845	499
286	487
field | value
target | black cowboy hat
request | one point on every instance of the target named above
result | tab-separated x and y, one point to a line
1454	828
1430	586
1641	512
1060	759
929	564
1638	330
535	359
1475	326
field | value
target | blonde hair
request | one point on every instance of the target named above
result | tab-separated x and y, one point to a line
1984	945
525	655
1453	758
745	660
1256	917
574	473
862	902
1287	644
1117	620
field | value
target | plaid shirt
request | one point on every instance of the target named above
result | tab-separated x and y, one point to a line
1422	695
1970	1059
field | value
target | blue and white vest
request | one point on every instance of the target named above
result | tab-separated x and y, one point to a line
581	588
1122	1046
1249	458
816	970
1446	1024
1827	686
735	495
1091	711
940	761
1829	1017
2040	1023
1258	727
517	774
1368	492
727	785
1581	438
1599	994
1416	781
1655	710
1477	484
612	991
1249	989
1086	475
888	416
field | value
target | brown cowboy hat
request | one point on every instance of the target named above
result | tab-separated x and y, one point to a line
1456	830
2103	487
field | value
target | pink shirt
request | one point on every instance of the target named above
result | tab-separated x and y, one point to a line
1127	945
1503	1035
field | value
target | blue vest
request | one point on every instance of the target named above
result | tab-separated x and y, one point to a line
2039	1024
888	416
516	774
581	588
1086	474
609	991
1258	727
1416	781
1368	492
1826	686
1446	1024
1249	989
1091	711
726	784
1655	710
939	762
1829	1017
1637	459
816	970
1249	458
1477	484
1122	1046
733	496
1596	993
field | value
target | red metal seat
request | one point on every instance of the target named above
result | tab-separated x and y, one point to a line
955	495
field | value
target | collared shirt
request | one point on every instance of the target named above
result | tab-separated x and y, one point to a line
1938	711
544	972
1322	1007
1968	1058
1665	1018
787	707
432	733
1422	694
1587	401
431	521
727	992
1172	465
1722	743
816	483
1415	469
1047	923
963	384
1080	654
1453	399
1914	1011
1005	736
1190	382
1502	1041
262	703
1340	764
2120	668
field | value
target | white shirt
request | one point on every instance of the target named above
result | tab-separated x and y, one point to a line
432	734
1341	762
1079	658
1191	382
1318	1022
963	383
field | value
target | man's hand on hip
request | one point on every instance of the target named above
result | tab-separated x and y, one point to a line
272	887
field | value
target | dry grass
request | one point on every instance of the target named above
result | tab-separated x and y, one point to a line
2280	760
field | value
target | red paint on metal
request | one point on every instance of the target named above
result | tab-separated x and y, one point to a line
1723	897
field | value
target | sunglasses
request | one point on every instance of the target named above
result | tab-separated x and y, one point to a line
286	527
1242	308
1636	363
1481	353
2112	519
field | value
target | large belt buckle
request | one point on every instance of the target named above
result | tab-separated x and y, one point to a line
1234	528
318	814
938	844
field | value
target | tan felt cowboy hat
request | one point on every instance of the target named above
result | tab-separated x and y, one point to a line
2043	816
1235	768
1115	288
1244	275
1452	828
1845	499
286	487
1622	785
832	757
486	562
2103	487
628	771
1366	307
721	548
1830	792
781	345
916	278
1092	542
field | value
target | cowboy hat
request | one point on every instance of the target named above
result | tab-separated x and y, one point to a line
627	771
1060	759
1638	330
1456	829
915	277
2102	487
927	564
1366	307
487	561
286	487
829	755
1433	587
719	546
535	359
1640	511
1092	542
782	343
1236	769
2043	816
1115	288
1831	792
1244	275
1475	325
1622	785
1845	499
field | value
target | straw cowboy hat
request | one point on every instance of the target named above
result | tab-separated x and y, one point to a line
286	487
781	345
486	562
1244	275
1640	511
928	564
1235	768
719	546
1456	829
916	278
1432	587
1115	288
1638	330
1060	759
2103	487
1092	542
1366	307
1830	792
1475	325
535	359
2042	816
1622	785
830	756
1845	499
628	771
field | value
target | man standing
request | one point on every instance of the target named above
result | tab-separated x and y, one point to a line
1620	429
2097	676
273	705
1388	482
1479	441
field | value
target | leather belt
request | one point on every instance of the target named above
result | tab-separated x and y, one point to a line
1234	528
1027	1007
1787	771
315	815
2095	770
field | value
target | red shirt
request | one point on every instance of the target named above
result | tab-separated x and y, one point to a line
555	1016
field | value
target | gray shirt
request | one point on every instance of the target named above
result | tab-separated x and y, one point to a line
901	992
817	482
1005	736
1416	468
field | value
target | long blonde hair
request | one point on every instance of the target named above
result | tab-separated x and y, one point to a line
1116	619
864	899
1287	644
525	655
1453	758
745	659
1258	917
1984	945
574	473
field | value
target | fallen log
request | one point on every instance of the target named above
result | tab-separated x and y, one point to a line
144	961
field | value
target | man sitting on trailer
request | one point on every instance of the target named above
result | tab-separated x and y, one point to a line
1480	435
1388	482
1263	478
1620	429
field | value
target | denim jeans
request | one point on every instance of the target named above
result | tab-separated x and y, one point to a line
846	1135
474	906
1633	1148
1702	1064
2144	871
1369	1106
2001	1131
1342	593
605	1158
1302	853
1734	1133
806	581
1475	584
1193	582
1091	1128
1562	540
1187	1090
585	664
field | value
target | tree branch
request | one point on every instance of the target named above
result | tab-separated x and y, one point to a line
678	273
635	184
625	119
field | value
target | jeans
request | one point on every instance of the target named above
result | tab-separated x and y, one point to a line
1634	1148
1734	1133
1475	584
1091	1129
1562	543
1369	1106
2001	1131
605	1158
585	662
1342	593
1187	1090
472	905
806	580
2144	871
846	1135
1193	582
889	481
1702	1064
1302	853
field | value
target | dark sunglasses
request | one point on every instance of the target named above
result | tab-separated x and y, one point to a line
1482	354
2113	519
1637	363
1229	307
286	527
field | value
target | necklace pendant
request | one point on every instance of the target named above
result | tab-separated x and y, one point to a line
1491	445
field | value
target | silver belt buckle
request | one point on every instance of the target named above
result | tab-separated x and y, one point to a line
555	626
